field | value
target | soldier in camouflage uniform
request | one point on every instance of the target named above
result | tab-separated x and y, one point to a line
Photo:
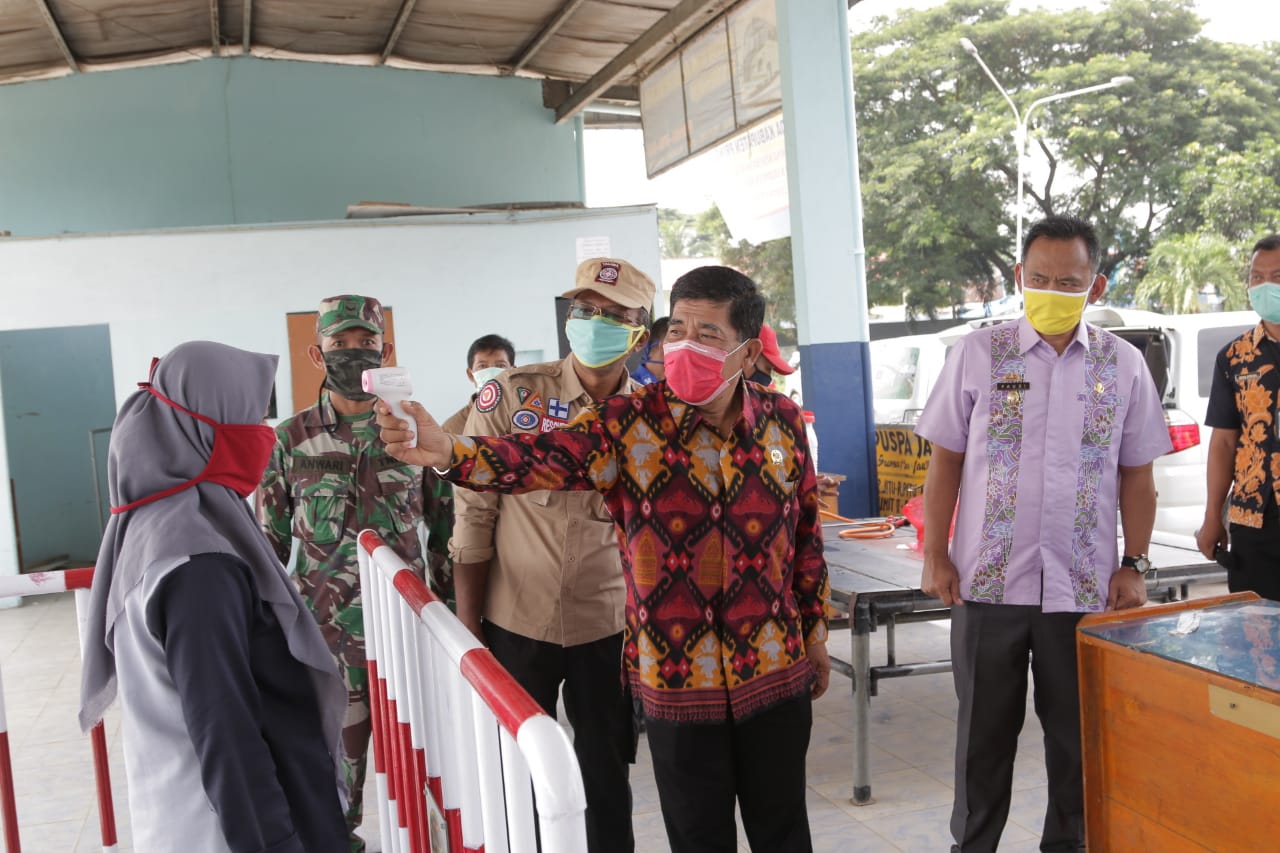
329	478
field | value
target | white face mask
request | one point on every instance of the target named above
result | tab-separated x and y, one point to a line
484	374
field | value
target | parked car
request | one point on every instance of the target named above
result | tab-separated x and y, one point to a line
1180	350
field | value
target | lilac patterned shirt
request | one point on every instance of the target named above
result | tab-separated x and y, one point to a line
1042	436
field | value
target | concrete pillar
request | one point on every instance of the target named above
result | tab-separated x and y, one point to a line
828	255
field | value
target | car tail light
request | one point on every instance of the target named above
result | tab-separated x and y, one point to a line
1184	432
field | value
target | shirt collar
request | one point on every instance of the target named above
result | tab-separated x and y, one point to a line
571	385
1028	337
1260	334
688	417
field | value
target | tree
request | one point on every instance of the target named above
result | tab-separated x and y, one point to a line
1233	193
1182	265
935	136
680	236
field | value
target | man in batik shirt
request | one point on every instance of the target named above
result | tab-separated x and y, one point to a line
1244	449
713	494
1043	426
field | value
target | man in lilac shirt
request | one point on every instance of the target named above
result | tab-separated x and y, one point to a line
1043	427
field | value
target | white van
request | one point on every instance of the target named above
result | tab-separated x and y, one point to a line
1180	350
903	371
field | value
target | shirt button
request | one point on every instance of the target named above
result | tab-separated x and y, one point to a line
572	558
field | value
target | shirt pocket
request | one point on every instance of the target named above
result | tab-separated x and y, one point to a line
400	488
322	510
1102	412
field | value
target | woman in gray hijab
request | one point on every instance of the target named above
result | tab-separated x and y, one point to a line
230	701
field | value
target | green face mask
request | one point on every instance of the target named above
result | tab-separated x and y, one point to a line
343	369
598	342
1052	312
1265	299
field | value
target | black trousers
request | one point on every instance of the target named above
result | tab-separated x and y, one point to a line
990	648
604	732
701	768
1254	562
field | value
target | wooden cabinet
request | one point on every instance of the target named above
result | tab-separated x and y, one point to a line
1180	710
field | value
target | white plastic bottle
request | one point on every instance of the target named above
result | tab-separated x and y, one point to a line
812	435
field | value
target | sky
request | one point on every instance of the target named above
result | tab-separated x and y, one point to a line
615	158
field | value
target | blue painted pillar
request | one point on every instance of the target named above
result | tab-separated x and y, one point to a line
827	252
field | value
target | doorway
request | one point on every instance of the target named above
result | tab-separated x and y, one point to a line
57	391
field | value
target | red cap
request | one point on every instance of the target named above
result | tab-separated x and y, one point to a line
771	353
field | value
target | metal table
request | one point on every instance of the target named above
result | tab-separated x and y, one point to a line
875	583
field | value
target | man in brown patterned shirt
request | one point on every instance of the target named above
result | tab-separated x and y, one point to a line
1244	450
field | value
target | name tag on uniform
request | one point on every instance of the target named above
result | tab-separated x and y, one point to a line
1013	386
1247	377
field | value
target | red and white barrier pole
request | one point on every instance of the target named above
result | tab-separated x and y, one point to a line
45	583
457	731
10	808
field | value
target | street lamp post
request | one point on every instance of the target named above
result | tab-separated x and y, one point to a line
1022	121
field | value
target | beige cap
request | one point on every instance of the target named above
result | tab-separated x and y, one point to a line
615	280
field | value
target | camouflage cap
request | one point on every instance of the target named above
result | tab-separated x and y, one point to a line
616	280
339	313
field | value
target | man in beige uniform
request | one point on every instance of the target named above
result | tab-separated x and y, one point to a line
538	576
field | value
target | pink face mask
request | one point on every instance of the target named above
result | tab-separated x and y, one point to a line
693	371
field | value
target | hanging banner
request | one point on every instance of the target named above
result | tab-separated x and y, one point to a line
724	81
666	133
750	183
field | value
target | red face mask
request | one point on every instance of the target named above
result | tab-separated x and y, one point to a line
693	371
240	455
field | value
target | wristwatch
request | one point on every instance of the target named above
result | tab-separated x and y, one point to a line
1139	564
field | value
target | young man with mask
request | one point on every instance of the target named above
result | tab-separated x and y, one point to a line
714	499
538	576
770	360
1043	427
1244	450
652	367
487	356
329	478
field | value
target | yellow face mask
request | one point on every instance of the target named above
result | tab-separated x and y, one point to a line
1052	312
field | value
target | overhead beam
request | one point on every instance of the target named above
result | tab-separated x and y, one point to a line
215	27
406	9
552	27
56	31
685	17
247	25
556	92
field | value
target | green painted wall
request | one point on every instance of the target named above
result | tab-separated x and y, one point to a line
245	140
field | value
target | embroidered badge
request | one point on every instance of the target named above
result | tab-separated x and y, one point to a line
535	402
609	272
489	396
776	456
525	419
523	393
548	424
556	409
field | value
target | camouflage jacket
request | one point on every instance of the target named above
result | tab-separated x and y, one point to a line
329	478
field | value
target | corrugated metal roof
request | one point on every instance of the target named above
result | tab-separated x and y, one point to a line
591	45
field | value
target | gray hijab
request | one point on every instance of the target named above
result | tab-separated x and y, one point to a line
155	447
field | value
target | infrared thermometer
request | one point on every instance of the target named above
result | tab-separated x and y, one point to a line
394	386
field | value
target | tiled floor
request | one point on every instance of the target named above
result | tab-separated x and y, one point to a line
912	735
